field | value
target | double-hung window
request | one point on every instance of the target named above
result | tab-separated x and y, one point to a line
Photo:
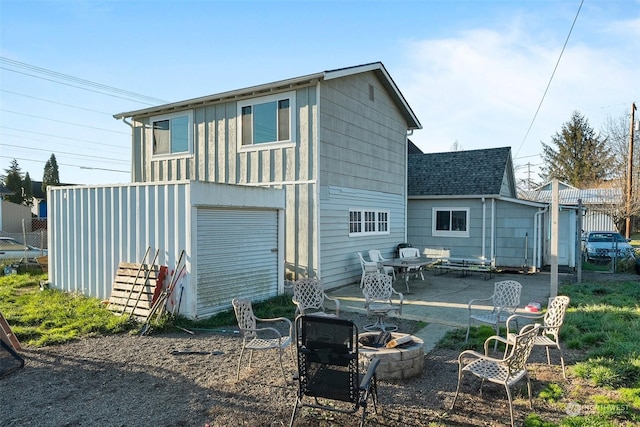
366	222
265	120
171	134
450	222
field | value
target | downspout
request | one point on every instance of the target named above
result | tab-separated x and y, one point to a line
406	182
493	229
484	226
124	120
537	237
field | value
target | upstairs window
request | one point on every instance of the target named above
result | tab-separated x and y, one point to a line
269	119
171	134
367	222
450	222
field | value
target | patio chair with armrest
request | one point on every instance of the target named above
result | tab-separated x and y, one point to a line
378	293
376	256
368	267
549	335
310	298
504	301
263	337
415	271
329	374
506	371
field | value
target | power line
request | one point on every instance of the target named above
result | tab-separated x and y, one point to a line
106	159
62	121
55	102
21	137
102	144
77	80
551	78
65	164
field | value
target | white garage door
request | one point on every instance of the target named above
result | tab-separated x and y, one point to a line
237	256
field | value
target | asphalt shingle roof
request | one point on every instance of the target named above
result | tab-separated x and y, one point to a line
458	173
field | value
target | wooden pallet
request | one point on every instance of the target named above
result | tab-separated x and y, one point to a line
135	288
7	335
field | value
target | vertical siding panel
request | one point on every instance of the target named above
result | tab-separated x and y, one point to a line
221	145
232	143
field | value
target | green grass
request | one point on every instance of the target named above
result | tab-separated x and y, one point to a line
46	317
40	318
603	324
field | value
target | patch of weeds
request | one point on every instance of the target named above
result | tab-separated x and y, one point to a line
534	420
551	393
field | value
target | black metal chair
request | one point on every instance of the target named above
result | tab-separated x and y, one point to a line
328	367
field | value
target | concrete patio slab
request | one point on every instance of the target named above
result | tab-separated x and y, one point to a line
441	300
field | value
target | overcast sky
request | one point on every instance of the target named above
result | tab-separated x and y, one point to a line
474	72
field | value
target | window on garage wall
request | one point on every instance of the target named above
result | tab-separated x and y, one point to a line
450	222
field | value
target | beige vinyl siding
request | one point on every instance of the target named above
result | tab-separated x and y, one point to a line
363	142
217	158
340	264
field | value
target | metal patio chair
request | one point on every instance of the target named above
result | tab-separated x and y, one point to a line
505	300
309	297
412	253
368	267
552	320
329	376
260	338
378	293
506	371
376	256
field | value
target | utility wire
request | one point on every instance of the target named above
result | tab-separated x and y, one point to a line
61	121
102	144
77	80
57	103
551	78
65	164
102	158
79	87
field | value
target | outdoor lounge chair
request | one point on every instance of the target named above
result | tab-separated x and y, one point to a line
506	371
328	375
549	336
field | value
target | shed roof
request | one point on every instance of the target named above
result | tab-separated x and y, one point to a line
460	173
570	196
376	67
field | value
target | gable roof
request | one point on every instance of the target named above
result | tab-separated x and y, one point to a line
413	148
462	173
376	67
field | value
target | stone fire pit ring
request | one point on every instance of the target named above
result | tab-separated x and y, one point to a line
399	363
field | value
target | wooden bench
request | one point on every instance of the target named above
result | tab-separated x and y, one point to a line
466	266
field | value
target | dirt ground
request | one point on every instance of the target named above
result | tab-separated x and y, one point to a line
178	379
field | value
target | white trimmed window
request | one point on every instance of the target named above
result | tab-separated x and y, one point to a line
366	222
450	222
171	134
267	120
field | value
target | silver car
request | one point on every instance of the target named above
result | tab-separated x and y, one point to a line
10	248
603	245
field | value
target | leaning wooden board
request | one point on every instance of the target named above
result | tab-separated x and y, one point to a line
134	287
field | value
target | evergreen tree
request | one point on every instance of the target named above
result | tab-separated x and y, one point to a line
50	175
27	185
582	158
13	182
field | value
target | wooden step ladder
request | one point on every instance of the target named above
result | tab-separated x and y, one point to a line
7	335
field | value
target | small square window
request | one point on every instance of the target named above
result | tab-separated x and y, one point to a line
451	222
171	135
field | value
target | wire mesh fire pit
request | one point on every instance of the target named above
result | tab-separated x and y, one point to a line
401	355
